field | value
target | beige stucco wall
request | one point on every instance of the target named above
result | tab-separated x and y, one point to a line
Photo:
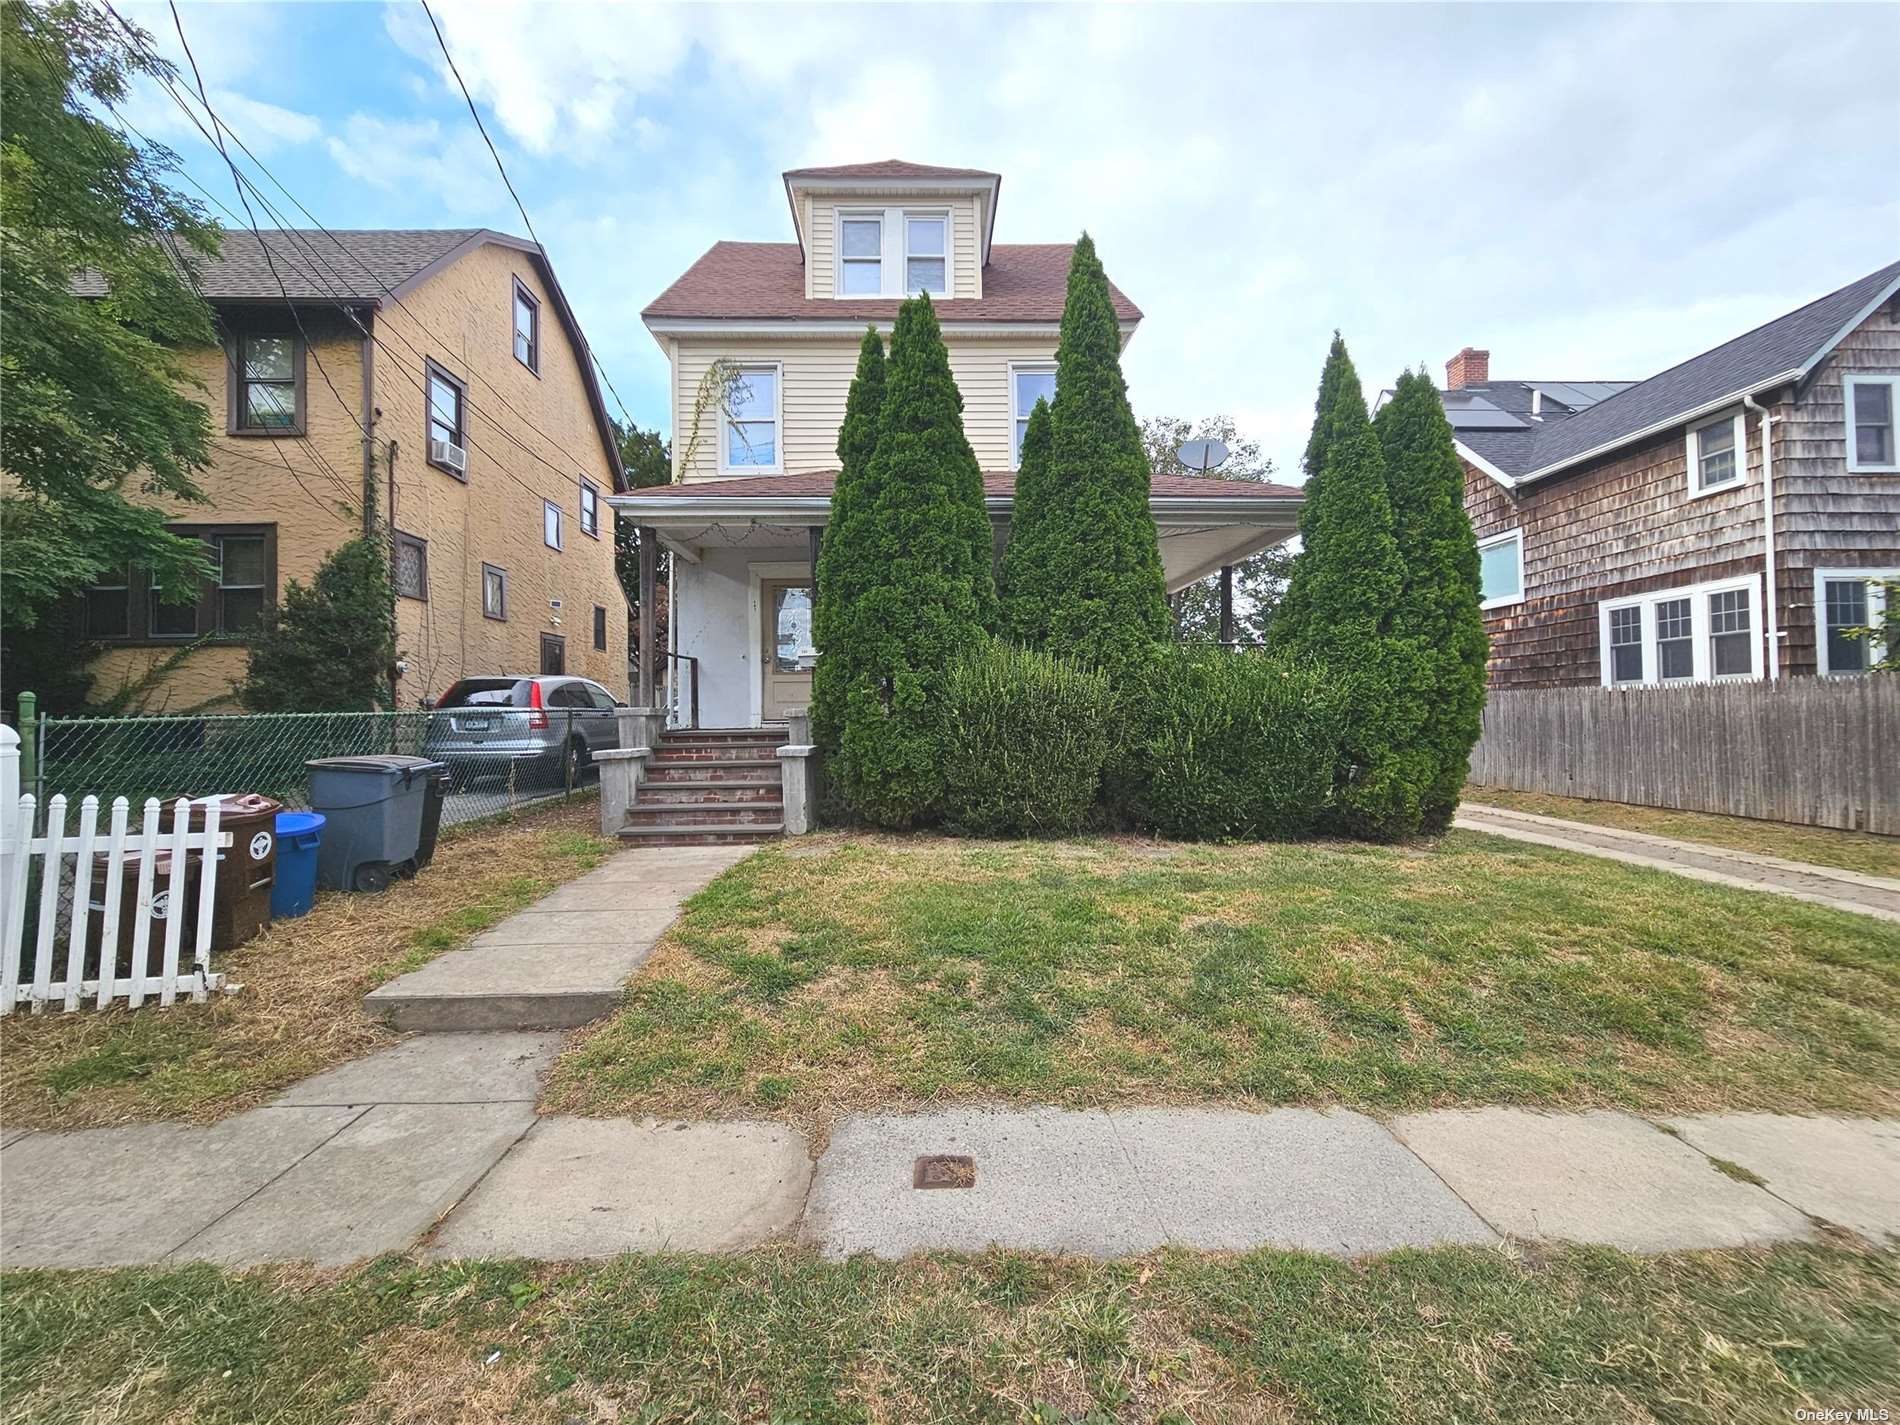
816	378
462	318
819	218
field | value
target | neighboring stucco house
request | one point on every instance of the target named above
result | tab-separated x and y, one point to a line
1644	533
754	464
444	371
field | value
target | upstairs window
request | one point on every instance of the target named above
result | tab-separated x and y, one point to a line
1717	453
1501	569
527	328
447	423
751	428
1870	404
551	524
861	256
267	394
926	255
1028	384
600	627
1850	607
590	509
494	592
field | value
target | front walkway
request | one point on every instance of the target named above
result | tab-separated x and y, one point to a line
1877	896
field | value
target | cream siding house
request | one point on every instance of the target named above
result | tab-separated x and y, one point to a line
754	458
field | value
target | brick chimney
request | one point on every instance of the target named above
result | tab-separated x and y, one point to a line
1469	367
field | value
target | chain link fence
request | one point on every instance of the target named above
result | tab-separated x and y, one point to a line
499	759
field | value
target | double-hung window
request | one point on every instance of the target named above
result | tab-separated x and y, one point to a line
267	396
1695	635
590	509
861	255
552	524
1870	402
1718	453
447	423
130	607
527	328
926	255
494	592
1501	569
109	606
1028	384
1850	611
751	427
243	581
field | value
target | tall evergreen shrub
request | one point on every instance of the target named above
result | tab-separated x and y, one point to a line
1026	593
1340	612
331	645
1089	582
849	556
924	602
1437	611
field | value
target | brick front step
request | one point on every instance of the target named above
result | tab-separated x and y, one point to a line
663	761
716	752
775	736
701	835
748	774
702	792
704	814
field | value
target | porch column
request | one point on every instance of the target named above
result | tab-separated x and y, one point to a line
816	533
1227	604
649	570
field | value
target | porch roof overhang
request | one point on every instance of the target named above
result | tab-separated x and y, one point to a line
1203	523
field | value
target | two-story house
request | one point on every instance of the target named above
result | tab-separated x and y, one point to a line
438	377
762	339
1729	518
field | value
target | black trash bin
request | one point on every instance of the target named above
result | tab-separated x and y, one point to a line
433	795
373	808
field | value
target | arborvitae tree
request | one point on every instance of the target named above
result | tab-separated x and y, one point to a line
1090	558
329	647
849	557
1438	601
1027	567
1340	610
923	599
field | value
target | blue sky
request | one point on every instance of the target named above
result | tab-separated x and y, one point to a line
1589	192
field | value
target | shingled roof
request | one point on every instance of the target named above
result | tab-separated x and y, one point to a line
1024	282
889	168
348	265
1782	350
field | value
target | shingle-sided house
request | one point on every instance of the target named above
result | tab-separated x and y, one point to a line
1644	532
754	461
442	371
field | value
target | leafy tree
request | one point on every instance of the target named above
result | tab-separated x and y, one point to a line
921	603
849	556
1259	579
1437	611
329	647
1339	611
1088	582
98	417
648	461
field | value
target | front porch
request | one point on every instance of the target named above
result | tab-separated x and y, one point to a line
744	560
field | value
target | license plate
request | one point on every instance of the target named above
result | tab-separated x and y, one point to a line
477	724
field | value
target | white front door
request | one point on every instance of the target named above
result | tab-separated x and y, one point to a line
788	653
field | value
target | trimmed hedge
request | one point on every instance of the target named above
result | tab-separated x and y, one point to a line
1223	746
1024	735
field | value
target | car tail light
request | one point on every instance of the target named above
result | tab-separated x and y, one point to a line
538	718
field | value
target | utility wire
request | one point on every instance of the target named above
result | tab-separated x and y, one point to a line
501	168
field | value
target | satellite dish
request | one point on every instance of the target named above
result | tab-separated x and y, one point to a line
1203	455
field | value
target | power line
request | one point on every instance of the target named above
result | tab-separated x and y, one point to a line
501	168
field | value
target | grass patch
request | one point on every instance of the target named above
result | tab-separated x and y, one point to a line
300	1009
1450	1335
1823	846
859	971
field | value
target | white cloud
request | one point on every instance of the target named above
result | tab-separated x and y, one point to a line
411	157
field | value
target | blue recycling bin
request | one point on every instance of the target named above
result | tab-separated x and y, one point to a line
299	833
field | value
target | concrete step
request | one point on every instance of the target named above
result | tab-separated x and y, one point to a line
706	814
725	734
700	791
702	835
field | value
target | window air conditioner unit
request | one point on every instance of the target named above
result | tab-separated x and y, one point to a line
447	452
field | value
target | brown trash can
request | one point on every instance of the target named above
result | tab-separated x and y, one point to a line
128	913
247	868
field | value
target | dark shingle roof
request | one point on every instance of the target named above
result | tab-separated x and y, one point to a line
888	168
314	266
996	484
1778	350
1023	282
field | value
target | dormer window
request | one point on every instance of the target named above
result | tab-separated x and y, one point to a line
861	251
925	255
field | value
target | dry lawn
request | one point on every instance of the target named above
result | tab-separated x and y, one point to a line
848	973
1845	850
299	1009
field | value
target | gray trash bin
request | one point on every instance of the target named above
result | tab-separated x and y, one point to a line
373	817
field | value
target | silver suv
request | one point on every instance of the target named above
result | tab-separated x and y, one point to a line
523	729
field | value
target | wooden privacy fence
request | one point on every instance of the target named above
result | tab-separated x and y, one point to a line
1814	751
76	947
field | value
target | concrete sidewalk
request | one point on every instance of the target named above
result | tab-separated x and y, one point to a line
433	1144
1877	896
565	959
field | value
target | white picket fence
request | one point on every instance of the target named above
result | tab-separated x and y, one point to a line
67	871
